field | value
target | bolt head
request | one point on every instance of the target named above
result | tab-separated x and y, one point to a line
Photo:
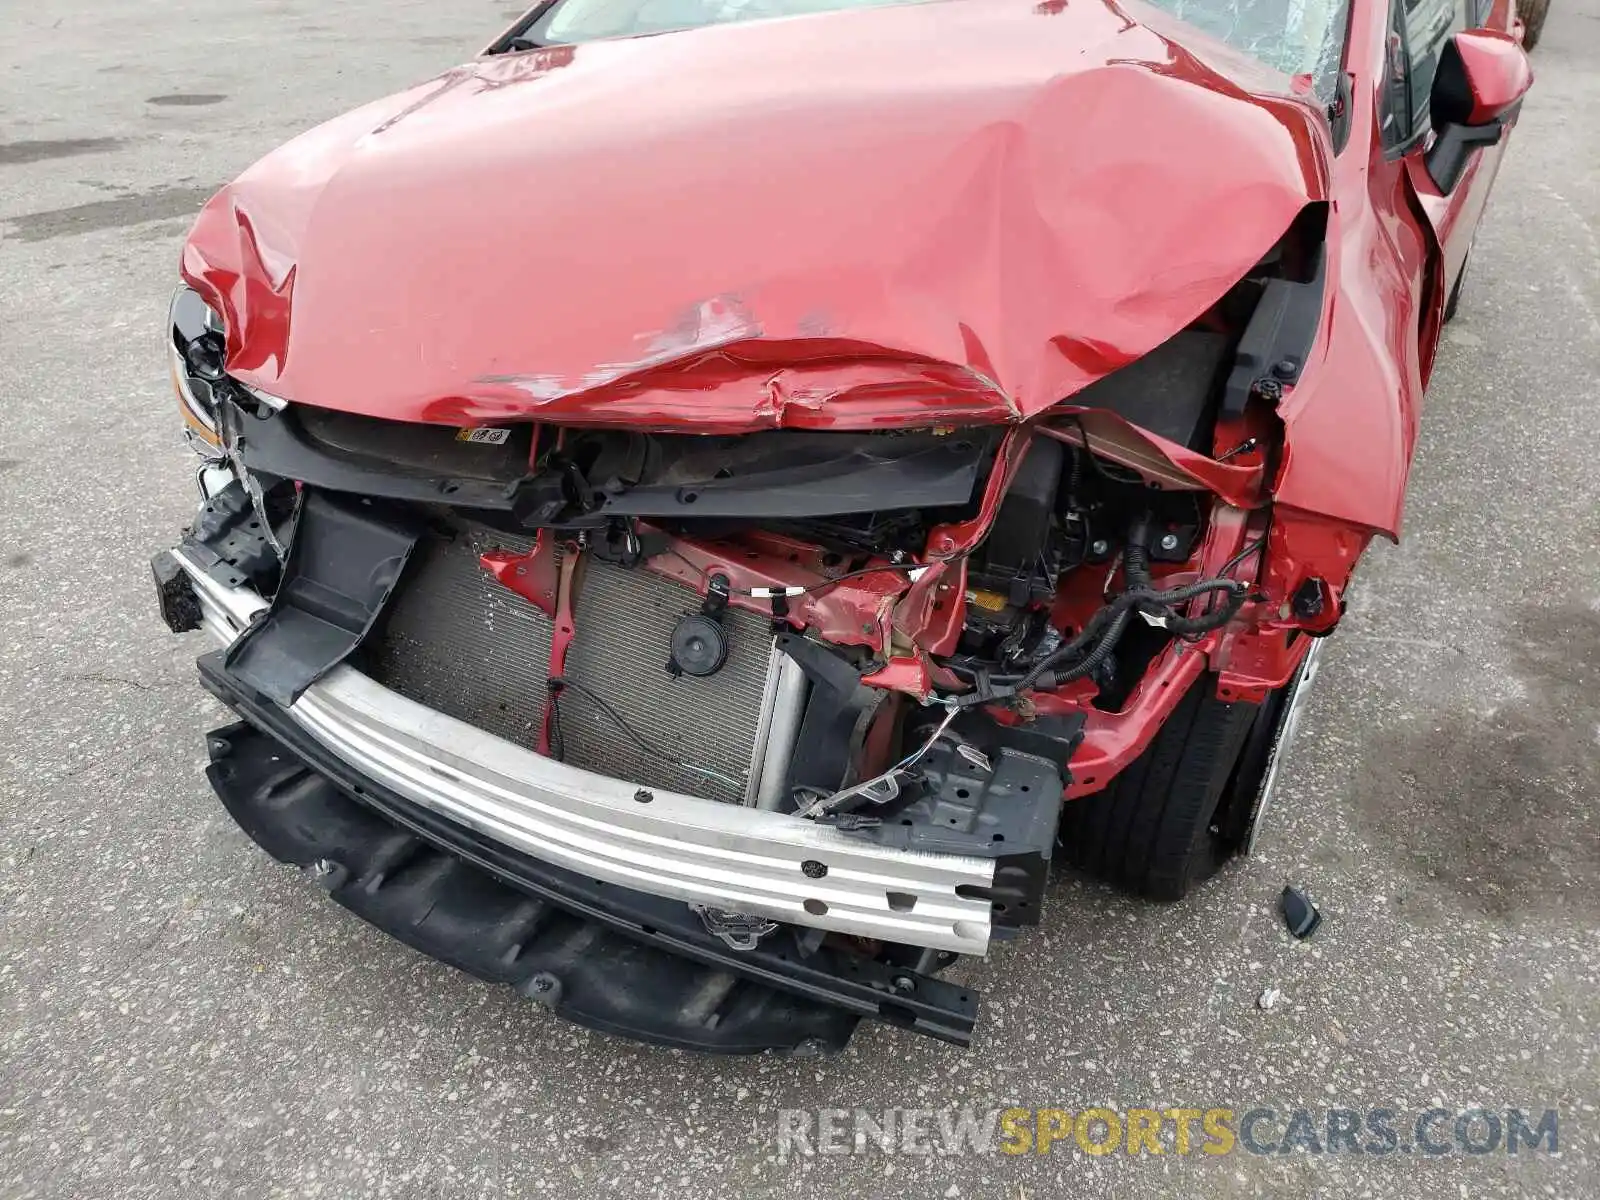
1169	541
1099	546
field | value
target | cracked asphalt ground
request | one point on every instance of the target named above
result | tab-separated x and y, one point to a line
180	1016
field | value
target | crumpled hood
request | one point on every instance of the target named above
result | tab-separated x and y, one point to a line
964	210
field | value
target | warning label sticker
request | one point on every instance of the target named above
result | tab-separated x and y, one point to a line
493	437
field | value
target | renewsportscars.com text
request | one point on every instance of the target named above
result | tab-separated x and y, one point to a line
1430	1132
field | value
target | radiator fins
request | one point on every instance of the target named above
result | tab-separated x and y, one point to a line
457	641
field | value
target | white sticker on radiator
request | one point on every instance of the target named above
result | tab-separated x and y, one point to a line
493	437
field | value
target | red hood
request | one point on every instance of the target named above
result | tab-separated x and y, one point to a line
958	210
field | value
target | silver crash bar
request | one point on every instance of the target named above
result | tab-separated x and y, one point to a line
725	856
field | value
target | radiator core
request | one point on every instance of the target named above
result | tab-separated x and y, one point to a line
456	640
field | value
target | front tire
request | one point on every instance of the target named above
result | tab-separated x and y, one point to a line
1152	832
1195	797
1533	14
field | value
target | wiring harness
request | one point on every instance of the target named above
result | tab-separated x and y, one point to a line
1097	641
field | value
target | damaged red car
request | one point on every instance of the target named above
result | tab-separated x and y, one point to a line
703	505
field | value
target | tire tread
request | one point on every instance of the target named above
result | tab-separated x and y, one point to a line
1148	833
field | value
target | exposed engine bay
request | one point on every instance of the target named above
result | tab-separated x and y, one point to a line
1064	512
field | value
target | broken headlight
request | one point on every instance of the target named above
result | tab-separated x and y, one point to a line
196	349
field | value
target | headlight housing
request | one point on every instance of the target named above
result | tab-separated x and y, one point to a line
196	349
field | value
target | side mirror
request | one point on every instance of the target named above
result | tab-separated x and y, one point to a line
1481	80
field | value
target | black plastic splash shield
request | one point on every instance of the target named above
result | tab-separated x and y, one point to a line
342	566
602	956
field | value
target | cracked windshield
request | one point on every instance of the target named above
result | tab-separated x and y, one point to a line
1298	37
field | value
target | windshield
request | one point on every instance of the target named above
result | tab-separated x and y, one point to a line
586	20
1298	37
